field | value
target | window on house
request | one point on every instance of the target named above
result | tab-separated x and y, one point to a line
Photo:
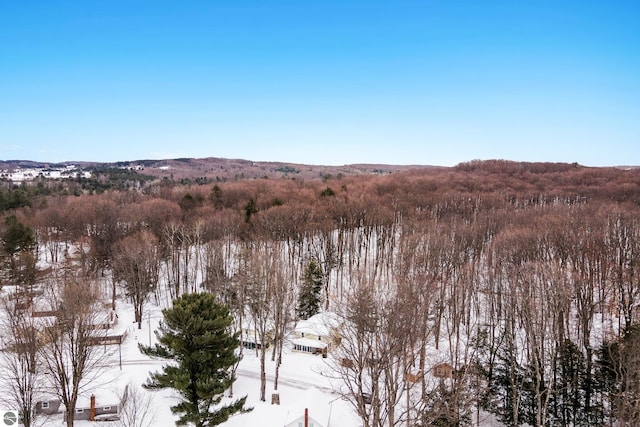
106	408
44	405
302	335
79	410
304	348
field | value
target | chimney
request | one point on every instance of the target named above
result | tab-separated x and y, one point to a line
92	408
306	417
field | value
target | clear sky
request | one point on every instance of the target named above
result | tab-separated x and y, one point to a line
321	82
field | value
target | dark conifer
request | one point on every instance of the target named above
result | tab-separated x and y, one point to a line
196	335
310	297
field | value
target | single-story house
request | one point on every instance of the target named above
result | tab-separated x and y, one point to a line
105	329
106	406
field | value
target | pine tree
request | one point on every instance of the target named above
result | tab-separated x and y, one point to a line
195	333
309	299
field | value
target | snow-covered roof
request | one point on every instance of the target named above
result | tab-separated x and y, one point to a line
318	404
268	416
319	324
104	397
300	419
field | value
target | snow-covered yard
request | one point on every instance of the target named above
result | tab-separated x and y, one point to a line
302	384
305	383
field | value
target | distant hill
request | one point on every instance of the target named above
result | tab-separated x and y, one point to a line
221	169
216	169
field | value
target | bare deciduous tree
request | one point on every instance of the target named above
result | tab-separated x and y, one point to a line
136	408
21	382
136	263
370	361
69	355
259	274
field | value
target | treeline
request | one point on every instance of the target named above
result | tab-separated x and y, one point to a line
523	278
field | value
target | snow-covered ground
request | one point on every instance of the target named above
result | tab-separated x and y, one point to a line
302	383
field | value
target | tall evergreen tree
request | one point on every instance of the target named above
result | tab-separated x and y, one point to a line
196	334
310	297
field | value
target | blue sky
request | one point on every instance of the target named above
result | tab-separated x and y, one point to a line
321	82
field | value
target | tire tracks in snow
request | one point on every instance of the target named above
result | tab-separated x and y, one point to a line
291	382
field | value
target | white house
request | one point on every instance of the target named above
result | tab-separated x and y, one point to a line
318	334
99	405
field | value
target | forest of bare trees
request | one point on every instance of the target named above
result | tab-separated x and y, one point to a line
523	278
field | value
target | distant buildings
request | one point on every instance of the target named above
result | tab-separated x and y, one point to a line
29	174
